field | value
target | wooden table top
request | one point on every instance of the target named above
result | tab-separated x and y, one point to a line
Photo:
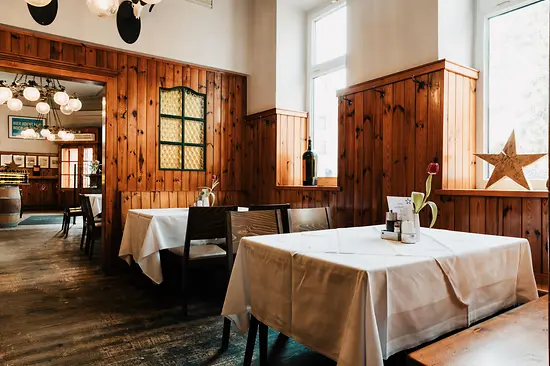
517	337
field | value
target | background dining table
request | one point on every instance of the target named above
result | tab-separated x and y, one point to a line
148	231
358	299
96	201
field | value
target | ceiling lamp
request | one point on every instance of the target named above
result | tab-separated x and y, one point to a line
43	108
103	8
69	136
75	104
38	3
5	94
31	93
66	110
61	98
62	134
45	132
51	137
15	104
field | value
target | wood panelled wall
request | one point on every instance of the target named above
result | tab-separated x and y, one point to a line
131	127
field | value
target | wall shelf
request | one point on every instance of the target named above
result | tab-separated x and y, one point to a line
491	193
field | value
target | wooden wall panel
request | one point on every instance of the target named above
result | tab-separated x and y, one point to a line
131	124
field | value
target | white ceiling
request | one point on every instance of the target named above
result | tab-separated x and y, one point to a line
82	90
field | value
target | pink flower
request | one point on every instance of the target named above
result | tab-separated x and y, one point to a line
433	168
214	177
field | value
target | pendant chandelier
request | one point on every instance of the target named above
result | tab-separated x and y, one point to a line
51	98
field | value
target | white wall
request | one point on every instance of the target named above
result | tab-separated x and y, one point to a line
387	36
292	45
20	145
456	24
175	29
262	82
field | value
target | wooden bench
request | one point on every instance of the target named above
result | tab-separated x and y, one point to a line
517	337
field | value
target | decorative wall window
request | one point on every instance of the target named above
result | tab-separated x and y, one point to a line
512	53
182	129
69	167
326	74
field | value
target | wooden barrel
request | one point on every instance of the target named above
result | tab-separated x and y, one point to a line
10	206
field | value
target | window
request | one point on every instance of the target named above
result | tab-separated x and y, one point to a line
516	80
327	74
69	166
76	159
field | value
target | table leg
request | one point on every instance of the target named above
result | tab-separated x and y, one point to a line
226	331
263	344
251	341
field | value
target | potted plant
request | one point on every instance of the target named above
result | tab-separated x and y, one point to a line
207	196
420	200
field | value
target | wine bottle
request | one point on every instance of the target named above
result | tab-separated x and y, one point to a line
309	166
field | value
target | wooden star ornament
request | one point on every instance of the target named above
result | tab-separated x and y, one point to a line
509	164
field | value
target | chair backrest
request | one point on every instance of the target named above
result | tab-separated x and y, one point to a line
86	209
252	223
309	219
207	222
283	207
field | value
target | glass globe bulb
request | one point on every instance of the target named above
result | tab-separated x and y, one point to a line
70	136
62	133
28	133
103	8
38	3
31	93
66	109
75	104
45	132
5	94
152	2
15	104
43	108
61	98
51	137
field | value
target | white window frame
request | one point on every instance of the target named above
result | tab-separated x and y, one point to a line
315	70
487	9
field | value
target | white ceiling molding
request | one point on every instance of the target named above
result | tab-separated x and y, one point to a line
207	3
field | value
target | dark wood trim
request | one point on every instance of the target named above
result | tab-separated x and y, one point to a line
409	73
309	188
491	193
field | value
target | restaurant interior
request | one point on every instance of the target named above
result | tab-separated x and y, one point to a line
274	182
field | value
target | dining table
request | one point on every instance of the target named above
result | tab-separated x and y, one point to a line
96	201
148	231
359	299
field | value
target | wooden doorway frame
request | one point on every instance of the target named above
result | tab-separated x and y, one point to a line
27	64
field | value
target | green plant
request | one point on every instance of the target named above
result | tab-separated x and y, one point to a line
420	200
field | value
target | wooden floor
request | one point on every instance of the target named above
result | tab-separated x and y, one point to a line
57	308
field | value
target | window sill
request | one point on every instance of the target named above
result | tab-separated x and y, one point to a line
310	188
492	193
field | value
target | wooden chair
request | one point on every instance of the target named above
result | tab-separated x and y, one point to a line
204	223
309	219
93	227
21	210
68	213
283	207
240	225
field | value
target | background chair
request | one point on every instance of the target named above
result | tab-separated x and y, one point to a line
246	224
309	219
93	227
204	223
283	207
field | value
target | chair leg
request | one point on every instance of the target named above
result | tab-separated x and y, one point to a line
67	227
74	220
263	344
250	341
185	289
225	336
83	236
63	222
91	249
88	241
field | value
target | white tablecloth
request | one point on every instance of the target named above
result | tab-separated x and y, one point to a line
359	299
148	231
96	201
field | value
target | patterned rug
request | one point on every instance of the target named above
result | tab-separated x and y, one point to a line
58	308
43	220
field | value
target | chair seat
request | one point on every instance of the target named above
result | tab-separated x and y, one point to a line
75	209
204	251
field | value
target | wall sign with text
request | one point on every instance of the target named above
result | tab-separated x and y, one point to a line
17	124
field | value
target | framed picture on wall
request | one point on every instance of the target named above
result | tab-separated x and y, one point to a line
18	124
19	160
30	161
44	162
54	162
5	159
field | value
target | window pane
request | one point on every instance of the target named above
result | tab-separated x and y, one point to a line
64	154
330	36
88	154
518	83
74	154
65	181
325	121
